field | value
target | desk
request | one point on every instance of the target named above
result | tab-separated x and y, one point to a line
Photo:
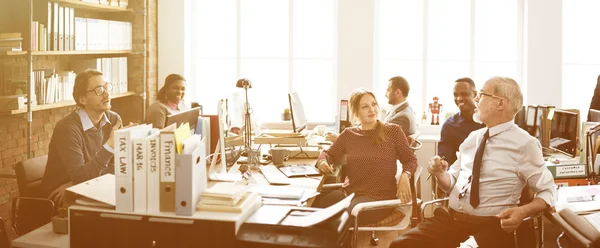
44	237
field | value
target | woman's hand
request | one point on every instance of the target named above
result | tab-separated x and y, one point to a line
329	136
324	167
404	189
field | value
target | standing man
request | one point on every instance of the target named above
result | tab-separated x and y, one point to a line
485	183
456	129
400	113
81	147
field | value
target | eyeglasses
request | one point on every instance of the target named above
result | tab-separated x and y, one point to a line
100	89
481	93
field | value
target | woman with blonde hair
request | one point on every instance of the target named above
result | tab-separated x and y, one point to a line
371	150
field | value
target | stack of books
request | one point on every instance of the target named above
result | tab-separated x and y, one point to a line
227	197
10	42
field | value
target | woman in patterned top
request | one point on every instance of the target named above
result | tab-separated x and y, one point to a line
371	149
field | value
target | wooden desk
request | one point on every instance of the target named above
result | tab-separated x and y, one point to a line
44	237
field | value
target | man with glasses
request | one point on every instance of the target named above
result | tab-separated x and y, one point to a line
494	165
456	129
81	147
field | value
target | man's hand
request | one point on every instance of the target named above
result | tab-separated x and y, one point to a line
511	218
324	167
57	195
331	136
437	166
403	192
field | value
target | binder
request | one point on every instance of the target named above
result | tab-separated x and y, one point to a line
153	176
191	175
67	16
123	155
55	26
71	28
140	171
80	34
167	169
61	28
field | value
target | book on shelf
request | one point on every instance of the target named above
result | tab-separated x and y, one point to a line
247	200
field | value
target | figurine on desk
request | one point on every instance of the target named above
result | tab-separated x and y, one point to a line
435	108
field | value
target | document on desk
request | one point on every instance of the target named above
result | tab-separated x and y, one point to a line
316	217
567	198
98	191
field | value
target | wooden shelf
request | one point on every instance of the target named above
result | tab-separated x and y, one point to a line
91	6
53	53
59	104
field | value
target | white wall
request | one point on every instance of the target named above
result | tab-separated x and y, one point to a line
355	46
171	42
543	52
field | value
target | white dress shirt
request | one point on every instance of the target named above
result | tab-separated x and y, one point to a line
512	159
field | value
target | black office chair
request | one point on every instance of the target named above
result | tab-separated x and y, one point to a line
3	235
580	233
31	210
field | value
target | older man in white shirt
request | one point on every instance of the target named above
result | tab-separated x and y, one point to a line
494	165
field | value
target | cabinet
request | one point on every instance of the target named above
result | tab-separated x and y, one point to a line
60	36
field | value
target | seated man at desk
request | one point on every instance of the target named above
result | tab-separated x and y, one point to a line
400	113
456	129
81	147
485	183
372	150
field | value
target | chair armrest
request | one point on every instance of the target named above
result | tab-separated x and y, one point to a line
374	205
427	203
332	186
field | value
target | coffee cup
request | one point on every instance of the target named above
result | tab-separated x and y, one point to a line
320	130
279	155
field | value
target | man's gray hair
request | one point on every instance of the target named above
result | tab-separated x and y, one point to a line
508	88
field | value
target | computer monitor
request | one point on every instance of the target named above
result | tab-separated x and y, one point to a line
564	132
297	110
594	115
190	116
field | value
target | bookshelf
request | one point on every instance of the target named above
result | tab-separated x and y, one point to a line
109	19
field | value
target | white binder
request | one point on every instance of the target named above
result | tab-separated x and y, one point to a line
191	176
153	176
123	155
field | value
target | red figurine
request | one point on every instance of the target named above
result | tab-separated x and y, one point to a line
435	108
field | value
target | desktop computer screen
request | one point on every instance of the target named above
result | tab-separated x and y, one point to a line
297	110
189	116
564	132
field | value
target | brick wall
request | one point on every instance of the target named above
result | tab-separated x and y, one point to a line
13	133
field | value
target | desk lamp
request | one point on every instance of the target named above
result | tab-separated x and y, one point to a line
252	155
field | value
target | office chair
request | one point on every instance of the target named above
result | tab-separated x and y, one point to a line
526	197
3	235
31	209
579	231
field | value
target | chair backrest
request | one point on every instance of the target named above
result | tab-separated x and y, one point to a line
31	213
3	235
413	141
29	176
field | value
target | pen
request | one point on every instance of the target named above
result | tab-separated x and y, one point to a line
429	177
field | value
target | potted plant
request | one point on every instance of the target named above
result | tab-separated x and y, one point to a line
287	115
60	222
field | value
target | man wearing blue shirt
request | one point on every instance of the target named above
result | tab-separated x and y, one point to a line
456	129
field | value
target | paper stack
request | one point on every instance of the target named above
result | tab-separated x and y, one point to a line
227	197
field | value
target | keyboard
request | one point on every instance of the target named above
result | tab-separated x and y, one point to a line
273	175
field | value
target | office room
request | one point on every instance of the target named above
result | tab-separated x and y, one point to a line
293	123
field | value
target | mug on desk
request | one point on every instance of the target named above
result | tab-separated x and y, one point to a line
279	155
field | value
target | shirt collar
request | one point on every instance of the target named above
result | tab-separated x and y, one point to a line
175	106
501	127
87	123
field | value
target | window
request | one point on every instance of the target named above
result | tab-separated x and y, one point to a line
580	54
280	46
434	42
